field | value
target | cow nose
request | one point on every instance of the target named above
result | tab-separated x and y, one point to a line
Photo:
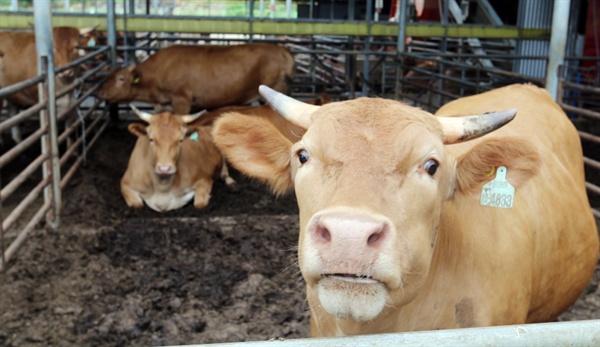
349	232
164	169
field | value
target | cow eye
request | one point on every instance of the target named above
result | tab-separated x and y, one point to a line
303	156
431	166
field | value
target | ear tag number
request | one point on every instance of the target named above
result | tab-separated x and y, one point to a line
498	193
194	136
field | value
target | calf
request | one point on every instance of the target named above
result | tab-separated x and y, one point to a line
410	221
172	163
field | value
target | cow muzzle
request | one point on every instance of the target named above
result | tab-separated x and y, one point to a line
342	256
164	170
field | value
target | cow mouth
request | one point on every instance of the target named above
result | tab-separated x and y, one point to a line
164	176
352	278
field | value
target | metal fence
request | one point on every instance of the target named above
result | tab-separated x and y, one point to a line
37	168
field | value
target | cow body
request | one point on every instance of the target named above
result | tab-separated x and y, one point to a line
392	233
201	77
20	59
172	164
19	63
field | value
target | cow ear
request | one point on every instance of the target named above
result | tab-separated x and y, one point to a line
137	129
478	166
256	148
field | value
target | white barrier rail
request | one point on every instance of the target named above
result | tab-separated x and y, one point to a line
573	333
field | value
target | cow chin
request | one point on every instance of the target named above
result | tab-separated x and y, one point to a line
359	300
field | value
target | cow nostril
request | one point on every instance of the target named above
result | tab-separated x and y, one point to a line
374	237
323	234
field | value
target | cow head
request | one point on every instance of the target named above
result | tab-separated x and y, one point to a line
370	177
119	85
165	133
66	46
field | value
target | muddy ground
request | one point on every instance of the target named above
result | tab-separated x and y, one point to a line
113	276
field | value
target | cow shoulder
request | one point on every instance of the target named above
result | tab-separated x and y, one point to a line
476	166
256	148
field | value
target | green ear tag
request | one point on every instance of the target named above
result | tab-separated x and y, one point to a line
194	136
136	80
498	192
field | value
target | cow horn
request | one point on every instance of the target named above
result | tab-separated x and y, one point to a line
459	129
143	115
297	112
192	117
86	31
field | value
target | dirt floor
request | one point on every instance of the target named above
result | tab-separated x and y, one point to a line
113	276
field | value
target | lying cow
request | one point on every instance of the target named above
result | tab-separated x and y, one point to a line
20	62
400	228
172	163
185	77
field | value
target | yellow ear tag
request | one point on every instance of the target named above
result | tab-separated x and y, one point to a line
136	80
492	170
194	136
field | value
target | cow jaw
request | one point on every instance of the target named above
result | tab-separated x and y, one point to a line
350	297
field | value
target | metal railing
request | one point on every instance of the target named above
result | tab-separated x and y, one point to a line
23	181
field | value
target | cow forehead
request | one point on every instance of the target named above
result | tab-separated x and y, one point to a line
166	126
369	127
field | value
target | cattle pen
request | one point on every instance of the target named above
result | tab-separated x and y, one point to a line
79	267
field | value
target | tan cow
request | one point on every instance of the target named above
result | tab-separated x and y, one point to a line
20	59
185	77
172	163
20	63
394	232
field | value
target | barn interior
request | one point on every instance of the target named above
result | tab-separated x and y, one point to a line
81	268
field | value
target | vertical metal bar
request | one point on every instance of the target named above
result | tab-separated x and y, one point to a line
111	28
311	8
367	48
2	244
67	5
14	5
272	8
558	43
45	62
351	6
288	8
251	21
401	17
261	8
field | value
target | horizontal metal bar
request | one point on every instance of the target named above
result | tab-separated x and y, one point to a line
243	25
592	188
14	246
16	182
580	111
13	88
573	333
22	116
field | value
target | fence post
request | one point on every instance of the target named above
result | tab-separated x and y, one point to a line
47	92
558	43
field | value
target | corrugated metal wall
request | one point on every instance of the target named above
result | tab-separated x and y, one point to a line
538	15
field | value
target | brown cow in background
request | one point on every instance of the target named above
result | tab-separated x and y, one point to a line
173	162
19	62
185	77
